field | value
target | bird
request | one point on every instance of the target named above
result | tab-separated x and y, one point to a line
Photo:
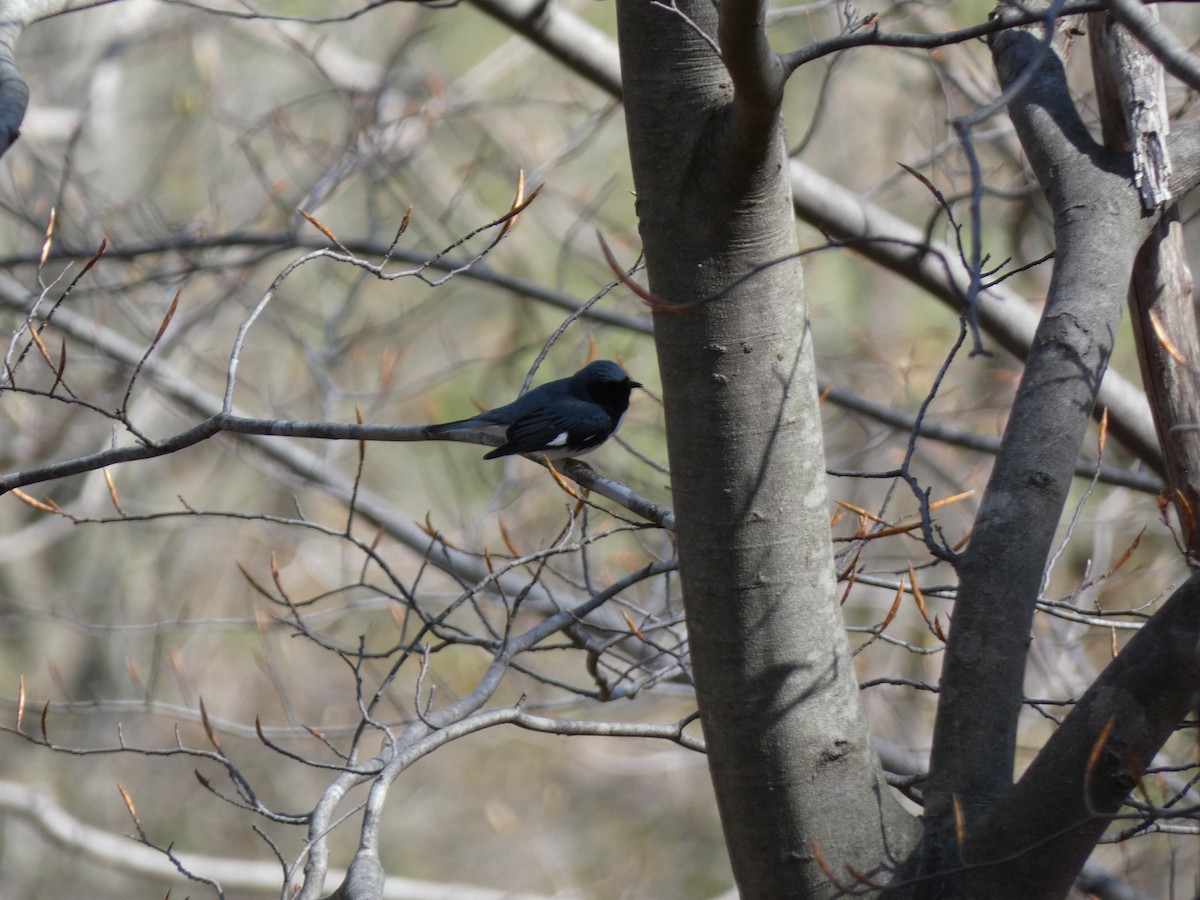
559	419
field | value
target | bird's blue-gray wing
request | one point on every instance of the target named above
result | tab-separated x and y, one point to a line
570	425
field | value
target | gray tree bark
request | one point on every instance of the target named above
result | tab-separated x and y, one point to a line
788	746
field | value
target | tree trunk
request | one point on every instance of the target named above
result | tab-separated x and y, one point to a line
788	746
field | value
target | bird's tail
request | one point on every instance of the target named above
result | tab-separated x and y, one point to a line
446	427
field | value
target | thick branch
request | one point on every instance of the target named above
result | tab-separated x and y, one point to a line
579	46
757	72
1183	145
1159	40
1164	326
1050	821
1131	97
1098	227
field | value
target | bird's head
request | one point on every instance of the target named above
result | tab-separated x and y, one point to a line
605	383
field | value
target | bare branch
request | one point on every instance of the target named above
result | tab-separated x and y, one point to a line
870	33
1095	247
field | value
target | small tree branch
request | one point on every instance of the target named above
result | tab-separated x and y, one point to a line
37	807
435	729
872	35
890	415
232	423
1005	315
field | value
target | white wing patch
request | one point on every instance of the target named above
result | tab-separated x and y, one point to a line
559	441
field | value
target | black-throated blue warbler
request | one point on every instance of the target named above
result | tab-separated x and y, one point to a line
559	419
